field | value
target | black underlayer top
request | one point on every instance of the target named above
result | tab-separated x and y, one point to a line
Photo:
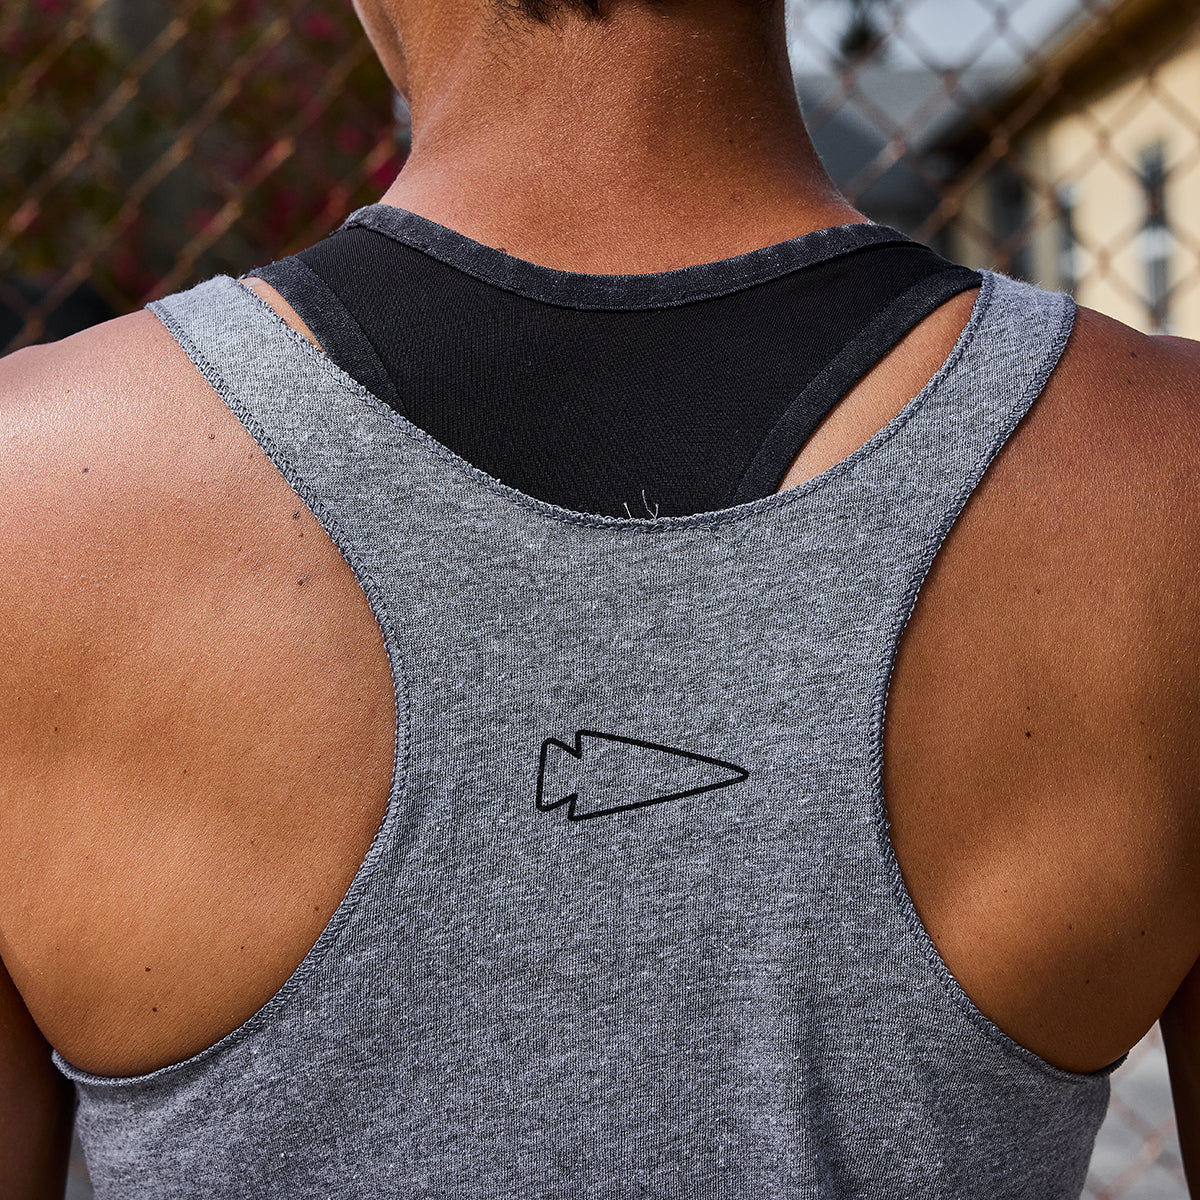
627	395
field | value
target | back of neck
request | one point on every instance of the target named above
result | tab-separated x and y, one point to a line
652	140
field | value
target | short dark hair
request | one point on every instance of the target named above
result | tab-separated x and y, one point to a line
544	12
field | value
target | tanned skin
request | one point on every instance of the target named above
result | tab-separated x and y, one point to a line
196	714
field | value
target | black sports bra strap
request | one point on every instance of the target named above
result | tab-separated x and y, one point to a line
856	359
341	337
692	389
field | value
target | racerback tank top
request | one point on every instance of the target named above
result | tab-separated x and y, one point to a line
632	925
629	395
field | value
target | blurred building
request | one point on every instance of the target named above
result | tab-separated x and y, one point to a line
877	128
1084	174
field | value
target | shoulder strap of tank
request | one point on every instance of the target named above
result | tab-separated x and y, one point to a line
340	335
267	372
855	359
999	367
900	493
316	423
1007	354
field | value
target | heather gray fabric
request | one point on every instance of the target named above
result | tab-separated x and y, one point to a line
631	927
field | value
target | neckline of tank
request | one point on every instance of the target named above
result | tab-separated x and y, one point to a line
946	380
662	289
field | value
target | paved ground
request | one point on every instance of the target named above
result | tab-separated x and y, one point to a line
1137	1152
78	1187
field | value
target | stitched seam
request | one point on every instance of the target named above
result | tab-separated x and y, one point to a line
401	762
803	251
1012	419
657	524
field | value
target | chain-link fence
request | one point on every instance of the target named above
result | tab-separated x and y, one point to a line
1137	1153
146	144
1057	140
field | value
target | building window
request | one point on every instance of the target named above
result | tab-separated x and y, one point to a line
1068	241
1009	204
1155	240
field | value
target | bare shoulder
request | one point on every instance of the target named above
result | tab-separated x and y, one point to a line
115	360
1103	474
107	437
1110	449
1116	452
192	686
114	453
135	502
135	506
90	410
1143	390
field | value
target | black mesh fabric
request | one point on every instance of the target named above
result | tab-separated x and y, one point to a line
658	411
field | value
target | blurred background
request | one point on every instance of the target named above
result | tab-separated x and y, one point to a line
148	144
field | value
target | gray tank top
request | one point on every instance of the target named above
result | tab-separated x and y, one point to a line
631	926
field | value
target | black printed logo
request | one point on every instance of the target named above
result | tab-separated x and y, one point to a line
603	773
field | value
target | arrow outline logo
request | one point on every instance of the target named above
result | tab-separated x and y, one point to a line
576	752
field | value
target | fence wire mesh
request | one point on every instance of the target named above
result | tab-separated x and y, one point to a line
1057	140
147	144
